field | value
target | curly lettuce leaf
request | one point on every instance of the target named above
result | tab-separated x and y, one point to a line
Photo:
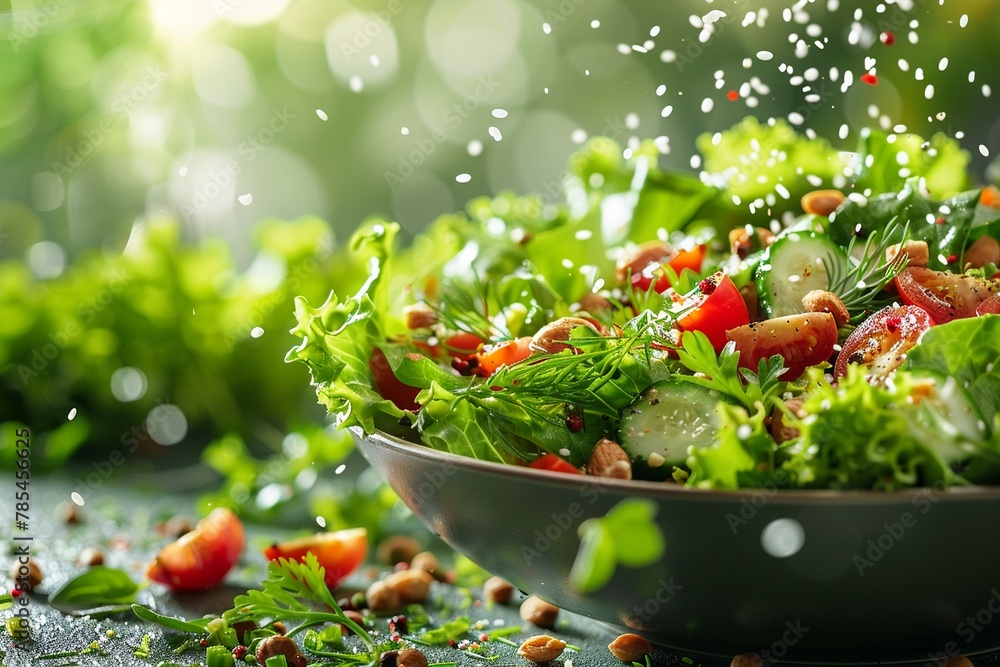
858	436
884	166
751	159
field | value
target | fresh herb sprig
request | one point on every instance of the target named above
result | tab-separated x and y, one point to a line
859	285
292	592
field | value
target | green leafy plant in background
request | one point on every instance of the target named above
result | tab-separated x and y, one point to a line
627	535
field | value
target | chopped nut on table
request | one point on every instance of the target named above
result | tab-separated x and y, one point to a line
747	660
411	586
397	549
380	596
90	557
26	576
539	612
541	648
630	647
497	590
411	657
427	562
280	645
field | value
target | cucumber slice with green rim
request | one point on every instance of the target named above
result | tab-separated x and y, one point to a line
671	416
951	415
793	266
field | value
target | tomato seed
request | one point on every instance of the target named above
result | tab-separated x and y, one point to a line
574	423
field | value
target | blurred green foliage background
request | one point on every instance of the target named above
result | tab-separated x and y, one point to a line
174	172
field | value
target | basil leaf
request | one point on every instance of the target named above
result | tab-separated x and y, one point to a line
97	586
170	622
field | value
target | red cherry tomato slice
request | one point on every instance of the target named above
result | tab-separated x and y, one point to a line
881	342
201	558
389	386
945	296
554	463
463	345
339	552
647	268
505	354
990	306
715	308
802	340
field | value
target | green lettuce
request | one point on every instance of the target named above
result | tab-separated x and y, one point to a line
884	166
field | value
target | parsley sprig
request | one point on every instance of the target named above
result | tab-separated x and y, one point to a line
292	591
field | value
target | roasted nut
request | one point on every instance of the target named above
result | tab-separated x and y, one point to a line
551	338
956	661
354	616
594	303
984	250
541	648
276	645
90	557
68	512
650	252
427	562
397	549
747	660
175	526
822	301
539	612
411	657
242	629
917	253
780	431
822	202
608	459
380	596
388	658
26	576
411	585
497	590
419	316
630	647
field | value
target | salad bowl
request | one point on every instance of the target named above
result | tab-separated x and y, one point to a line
797	576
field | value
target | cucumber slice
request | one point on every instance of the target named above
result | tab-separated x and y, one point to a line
951	415
671	416
793	266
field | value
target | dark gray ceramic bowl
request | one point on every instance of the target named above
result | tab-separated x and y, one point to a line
828	577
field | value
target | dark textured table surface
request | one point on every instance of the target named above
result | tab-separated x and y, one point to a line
120	520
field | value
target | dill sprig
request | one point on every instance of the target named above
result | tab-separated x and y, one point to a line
460	309
858	285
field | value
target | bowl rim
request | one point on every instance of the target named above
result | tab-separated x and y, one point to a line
676	492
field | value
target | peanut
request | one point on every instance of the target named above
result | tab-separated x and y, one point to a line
90	557
823	301
497	590
747	660
380	596
955	661
411	657
984	250
917	253
822	202
26	576
411	585
630	647
780	431
397	549
551	338
541	648
279	645
608	459
427	562
419	316
539	612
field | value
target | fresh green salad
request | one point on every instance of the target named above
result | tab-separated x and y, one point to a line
792	315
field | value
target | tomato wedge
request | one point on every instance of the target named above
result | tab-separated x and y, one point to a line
554	463
715	308
201	558
506	353
945	296
989	306
881	342
339	552
644	268
802	340
389	386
